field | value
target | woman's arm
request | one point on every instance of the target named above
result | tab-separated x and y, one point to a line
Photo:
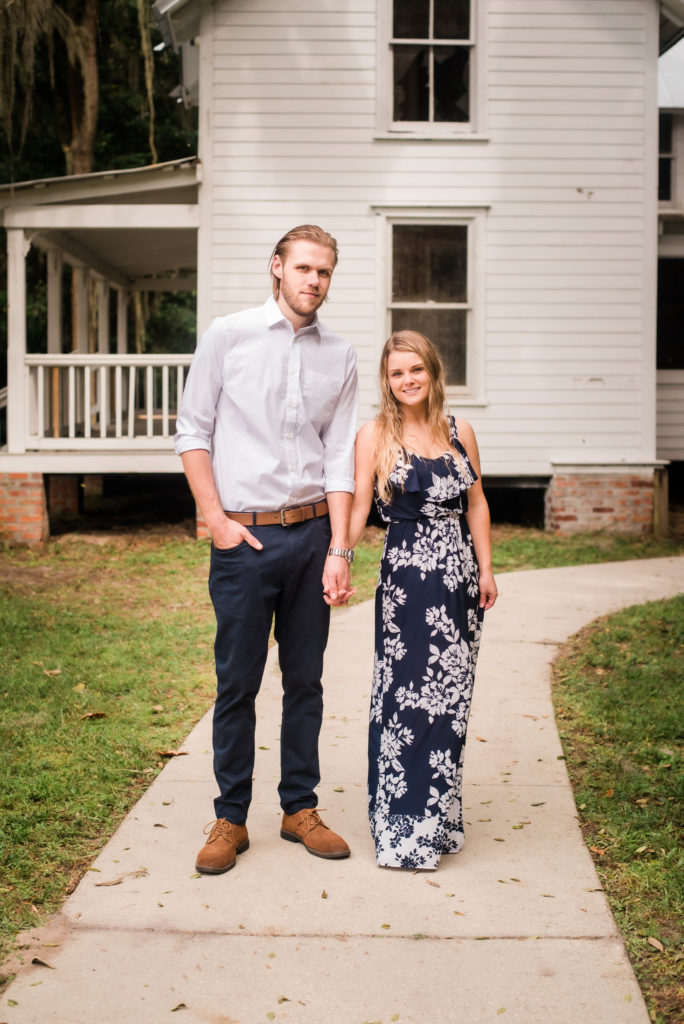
478	518
364	476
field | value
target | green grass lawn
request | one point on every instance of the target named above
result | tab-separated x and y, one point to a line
107	664
618	700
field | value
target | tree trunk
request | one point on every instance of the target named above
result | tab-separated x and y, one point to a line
83	91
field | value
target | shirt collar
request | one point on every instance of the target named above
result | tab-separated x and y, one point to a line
275	315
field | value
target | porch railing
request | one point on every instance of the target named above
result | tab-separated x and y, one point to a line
3	417
79	401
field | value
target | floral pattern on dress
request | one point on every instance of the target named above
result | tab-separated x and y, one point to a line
428	628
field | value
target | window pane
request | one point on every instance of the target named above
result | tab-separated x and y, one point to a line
665	133
452	19
411	83
665	178
670	314
430	263
446	328
411	19
452	99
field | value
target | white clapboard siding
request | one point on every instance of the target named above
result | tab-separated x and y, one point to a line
564	174
671	415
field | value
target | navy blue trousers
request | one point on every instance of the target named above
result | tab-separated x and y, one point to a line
248	589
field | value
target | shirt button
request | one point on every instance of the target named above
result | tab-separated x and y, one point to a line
291	404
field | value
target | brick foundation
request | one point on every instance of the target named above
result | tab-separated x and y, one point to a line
614	501
63	495
23	509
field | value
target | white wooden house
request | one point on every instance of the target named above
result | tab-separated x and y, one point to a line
670	358
490	170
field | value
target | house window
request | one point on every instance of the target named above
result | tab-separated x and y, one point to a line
670	351
427	66
665	158
434	284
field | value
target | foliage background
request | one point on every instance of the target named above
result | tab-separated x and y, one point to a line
122	140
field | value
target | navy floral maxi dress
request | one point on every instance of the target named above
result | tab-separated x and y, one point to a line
427	633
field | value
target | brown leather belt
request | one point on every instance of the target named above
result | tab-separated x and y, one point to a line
281	517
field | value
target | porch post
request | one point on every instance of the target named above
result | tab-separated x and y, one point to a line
17	248
121	321
102	316
103	346
54	301
54	333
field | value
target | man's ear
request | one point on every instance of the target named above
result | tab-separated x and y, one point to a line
277	266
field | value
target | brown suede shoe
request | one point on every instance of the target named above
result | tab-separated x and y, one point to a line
222	847
306	827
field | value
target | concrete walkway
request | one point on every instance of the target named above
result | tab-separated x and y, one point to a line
515	928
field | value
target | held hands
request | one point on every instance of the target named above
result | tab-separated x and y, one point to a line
488	590
337	588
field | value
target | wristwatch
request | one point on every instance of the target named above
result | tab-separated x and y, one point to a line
347	553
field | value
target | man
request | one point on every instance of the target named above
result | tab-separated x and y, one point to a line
266	432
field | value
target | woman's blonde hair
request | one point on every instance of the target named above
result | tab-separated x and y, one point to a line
390	420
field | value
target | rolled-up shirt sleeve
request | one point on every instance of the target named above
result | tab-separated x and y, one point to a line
197	414
338	437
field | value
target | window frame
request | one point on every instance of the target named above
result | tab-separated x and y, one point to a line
387	127
472	392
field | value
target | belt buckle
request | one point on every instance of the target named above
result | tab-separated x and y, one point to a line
283	511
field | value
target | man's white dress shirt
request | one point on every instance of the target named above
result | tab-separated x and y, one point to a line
276	410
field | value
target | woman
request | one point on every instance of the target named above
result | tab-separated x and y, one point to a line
434	585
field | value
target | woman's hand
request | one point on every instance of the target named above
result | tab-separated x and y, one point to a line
488	590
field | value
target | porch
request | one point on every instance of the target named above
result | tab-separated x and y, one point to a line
90	401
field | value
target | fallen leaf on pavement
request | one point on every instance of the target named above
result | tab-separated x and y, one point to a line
170	753
115	881
41	963
481	739
436	884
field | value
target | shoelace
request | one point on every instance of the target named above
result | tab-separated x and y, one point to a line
223	828
312	820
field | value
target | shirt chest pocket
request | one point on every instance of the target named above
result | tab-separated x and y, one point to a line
320	393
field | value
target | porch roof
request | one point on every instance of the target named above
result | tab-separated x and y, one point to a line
127	225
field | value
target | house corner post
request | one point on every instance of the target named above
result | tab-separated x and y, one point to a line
17	407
